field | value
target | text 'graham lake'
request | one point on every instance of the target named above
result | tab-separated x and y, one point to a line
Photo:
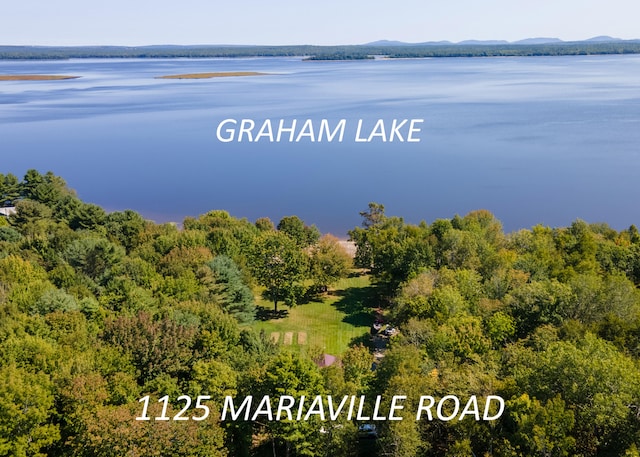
535	140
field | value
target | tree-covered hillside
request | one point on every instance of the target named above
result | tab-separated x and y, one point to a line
118	335
346	52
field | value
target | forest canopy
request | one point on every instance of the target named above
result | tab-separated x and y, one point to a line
346	52
101	312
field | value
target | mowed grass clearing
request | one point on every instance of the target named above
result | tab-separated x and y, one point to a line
342	318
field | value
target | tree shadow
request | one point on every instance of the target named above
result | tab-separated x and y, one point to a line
312	294
267	314
357	303
365	339
357	273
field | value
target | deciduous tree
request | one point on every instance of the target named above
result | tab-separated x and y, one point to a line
280	266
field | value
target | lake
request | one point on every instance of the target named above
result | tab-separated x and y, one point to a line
535	140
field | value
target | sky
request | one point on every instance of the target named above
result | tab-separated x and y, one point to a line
326	22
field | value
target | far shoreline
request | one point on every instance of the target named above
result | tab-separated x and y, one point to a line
36	77
217	74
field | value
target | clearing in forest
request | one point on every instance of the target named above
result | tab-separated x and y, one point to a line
331	324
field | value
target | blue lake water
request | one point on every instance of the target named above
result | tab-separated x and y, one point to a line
534	139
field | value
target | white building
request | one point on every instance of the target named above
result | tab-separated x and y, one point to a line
7	211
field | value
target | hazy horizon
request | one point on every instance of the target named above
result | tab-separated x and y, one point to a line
284	22
390	40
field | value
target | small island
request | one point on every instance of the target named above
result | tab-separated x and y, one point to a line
36	77
218	74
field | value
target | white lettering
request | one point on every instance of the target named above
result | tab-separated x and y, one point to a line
264	408
359	416
333	414
427	408
394	407
231	132
378	131
316	408
351	406
246	126
282	129
358	139
473	402
324	127
300	405
265	131
441	404
282	407
413	129
306	131
376	407
228	405
395	129
488	405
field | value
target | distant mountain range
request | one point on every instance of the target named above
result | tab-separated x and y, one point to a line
391	49
527	41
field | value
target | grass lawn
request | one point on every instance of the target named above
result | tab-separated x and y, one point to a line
341	319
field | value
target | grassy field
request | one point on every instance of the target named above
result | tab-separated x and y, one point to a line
219	74
35	77
341	319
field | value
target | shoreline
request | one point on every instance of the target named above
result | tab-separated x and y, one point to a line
36	77
217	74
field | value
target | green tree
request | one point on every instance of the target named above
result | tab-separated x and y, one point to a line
26	413
264	224
501	327
232	293
94	256
373	216
302	234
126	227
600	384
29	212
32	179
9	188
537	429
156	347
329	262
47	189
280	266
357	362
538	303
392	250
401	372
360	235
289	374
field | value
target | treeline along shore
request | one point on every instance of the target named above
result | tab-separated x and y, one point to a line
351	52
120	336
